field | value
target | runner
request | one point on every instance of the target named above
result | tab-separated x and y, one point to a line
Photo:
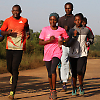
52	37
16	43
78	51
67	22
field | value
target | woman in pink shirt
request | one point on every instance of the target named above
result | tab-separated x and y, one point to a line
52	37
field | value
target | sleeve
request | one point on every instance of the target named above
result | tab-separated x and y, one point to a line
90	29
26	23
4	27
90	37
42	34
0	34
70	33
72	39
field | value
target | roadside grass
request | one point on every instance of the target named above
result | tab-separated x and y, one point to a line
94	54
28	62
32	61
3	68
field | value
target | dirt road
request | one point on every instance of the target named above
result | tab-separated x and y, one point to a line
33	84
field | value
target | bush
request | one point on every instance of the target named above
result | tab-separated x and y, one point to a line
94	54
2	49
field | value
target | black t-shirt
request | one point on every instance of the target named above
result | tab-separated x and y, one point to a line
66	21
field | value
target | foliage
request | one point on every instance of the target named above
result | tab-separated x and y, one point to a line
96	45
2	49
1	22
33	46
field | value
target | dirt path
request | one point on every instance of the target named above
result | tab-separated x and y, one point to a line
33	84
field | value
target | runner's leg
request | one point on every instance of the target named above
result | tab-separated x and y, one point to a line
17	56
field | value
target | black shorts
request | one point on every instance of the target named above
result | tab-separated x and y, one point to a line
51	66
77	65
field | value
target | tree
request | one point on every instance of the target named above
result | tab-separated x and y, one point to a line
1	22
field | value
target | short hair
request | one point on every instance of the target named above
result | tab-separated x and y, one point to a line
79	14
17	6
69	3
85	19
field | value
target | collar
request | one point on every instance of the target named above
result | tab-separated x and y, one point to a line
78	28
69	15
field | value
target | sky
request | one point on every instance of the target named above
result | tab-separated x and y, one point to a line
37	11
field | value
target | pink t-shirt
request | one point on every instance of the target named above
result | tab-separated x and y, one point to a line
52	49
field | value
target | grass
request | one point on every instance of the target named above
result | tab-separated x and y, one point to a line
32	61
28	62
3	67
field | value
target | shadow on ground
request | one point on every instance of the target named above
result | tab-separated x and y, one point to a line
35	85
91	88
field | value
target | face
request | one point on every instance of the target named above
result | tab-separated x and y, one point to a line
78	21
16	12
84	23
52	21
68	9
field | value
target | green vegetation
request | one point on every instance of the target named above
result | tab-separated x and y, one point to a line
95	48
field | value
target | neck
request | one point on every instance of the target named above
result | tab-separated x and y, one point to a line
69	14
54	27
16	17
79	26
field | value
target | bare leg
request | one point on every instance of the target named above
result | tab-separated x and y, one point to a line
74	81
54	81
50	82
80	79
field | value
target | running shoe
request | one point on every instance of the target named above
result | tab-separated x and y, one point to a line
74	92
11	80
81	91
50	94
53	95
11	96
64	88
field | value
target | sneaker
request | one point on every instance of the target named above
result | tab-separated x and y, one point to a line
74	92
64	88
11	80
50	94
81	91
11	96
53	95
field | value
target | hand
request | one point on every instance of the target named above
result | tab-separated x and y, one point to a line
52	38
60	41
10	33
87	44
28	35
14	34
75	33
